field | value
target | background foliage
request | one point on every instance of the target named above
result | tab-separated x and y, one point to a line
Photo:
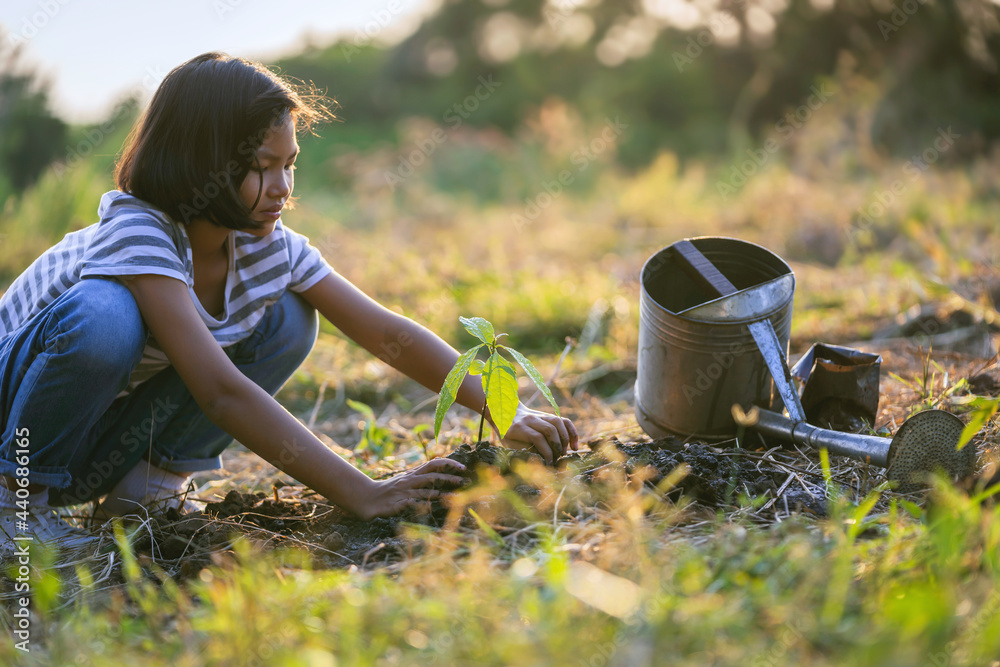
601	132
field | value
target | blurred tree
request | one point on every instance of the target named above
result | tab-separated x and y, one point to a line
30	136
695	77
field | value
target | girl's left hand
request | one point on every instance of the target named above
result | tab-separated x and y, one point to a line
550	435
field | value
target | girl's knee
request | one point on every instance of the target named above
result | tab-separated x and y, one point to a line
100	322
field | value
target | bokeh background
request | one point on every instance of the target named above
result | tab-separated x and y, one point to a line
520	159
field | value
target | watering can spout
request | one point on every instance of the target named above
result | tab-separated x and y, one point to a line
854	445
925	443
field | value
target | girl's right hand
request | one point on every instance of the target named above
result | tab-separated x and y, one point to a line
412	487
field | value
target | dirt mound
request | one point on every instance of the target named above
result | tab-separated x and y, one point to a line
335	538
713	477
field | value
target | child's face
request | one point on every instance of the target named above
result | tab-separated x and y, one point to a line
275	159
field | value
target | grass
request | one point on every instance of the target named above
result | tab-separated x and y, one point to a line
634	580
615	574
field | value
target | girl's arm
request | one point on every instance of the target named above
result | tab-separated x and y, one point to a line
248	413
425	357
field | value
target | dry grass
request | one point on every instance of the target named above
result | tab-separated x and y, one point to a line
729	579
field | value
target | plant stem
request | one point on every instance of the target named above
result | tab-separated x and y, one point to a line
482	417
482	420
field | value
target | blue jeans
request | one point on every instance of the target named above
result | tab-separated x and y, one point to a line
60	374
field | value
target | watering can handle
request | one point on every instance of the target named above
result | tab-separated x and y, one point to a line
701	269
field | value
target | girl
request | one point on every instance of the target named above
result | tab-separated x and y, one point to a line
135	350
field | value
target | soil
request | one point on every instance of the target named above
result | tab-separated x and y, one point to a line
715	478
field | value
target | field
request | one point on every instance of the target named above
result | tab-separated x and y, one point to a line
748	554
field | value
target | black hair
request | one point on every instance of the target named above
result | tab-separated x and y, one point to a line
191	149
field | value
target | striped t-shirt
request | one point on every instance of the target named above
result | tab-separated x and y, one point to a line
134	238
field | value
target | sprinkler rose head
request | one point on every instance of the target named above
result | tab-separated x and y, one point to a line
925	443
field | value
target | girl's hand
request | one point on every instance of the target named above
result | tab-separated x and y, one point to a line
550	435
411	488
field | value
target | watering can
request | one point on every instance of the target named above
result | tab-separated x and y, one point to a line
714	323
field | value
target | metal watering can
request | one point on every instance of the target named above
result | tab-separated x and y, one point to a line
714	323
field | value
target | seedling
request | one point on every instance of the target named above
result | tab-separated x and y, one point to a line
499	378
375	439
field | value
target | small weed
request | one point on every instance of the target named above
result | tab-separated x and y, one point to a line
376	441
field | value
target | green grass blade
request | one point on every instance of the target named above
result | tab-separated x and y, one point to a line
478	327
364	409
500	386
824	463
988	492
859	522
486	528
906	383
915	510
450	388
535	376
980	416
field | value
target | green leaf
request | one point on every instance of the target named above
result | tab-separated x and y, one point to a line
824	463
980	416
479	328
486	528
987	492
450	388
906	383
535	376
477	367
358	406
914	509
858	523
500	386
